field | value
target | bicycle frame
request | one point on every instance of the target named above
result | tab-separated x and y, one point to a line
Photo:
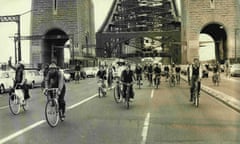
195	94
127	97
101	87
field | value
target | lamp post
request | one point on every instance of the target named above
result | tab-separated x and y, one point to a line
237	30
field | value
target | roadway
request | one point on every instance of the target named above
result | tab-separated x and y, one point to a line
162	115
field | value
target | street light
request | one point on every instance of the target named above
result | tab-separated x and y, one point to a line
236	43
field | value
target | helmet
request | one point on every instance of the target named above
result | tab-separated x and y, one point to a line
53	65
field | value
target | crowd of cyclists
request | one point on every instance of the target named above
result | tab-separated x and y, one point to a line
150	72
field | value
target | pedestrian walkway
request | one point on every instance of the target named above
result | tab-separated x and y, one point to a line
219	94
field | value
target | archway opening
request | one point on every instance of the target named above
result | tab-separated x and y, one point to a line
219	35
207	48
53	46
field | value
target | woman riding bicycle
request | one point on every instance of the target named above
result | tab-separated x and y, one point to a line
20	78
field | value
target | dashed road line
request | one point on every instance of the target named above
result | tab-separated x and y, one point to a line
152	93
36	124
145	129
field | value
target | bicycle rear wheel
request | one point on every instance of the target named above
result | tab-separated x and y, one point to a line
14	104
117	94
52	113
127	100
196	98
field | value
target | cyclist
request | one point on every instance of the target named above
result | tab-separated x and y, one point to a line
195	72
227	68
77	72
110	76
150	73
55	79
178	70
20	78
216	71
138	72
166	71
128	77
157	73
172	72
45	71
101	74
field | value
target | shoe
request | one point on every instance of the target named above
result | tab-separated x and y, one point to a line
62	117
131	99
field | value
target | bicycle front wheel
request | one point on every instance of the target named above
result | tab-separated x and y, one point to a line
14	104
196	99
52	113
117	94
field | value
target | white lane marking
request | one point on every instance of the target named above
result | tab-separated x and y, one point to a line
6	139
152	93
24	130
145	129
4	107
81	102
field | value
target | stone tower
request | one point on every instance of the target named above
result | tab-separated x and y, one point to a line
54	22
218	18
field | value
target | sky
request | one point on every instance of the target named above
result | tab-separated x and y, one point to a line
12	7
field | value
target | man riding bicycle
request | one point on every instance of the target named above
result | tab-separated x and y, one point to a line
55	79
157	74
101	74
138	72
127	77
178	70
195	72
150	73
216	71
77	72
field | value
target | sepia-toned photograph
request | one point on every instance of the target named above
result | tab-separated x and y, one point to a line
119	71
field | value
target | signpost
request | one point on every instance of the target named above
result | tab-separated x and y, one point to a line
14	18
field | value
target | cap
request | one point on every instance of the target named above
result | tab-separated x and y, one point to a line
53	65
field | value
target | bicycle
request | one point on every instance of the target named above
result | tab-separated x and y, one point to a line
216	79
16	100
178	78
101	88
157	80
139	76
196	93
150	78
52	110
117	92
77	76
172	81
127	97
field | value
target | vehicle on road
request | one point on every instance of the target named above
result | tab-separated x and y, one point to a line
235	70
66	74
90	71
6	80
34	78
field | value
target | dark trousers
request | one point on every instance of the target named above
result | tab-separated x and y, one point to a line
25	87
193	80
131	93
61	101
